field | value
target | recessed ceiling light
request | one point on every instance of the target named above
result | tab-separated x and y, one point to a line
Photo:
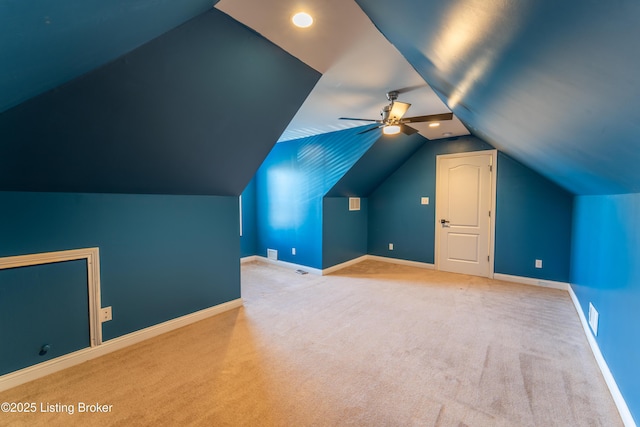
302	20
447	134
434	125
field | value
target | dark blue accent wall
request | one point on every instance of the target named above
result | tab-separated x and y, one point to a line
380	161
249	238
190	112
533	221
290	186
395	213
42	305
533	218
161	256
45	44
344	232
605	271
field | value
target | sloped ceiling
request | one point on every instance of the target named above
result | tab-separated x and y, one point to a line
358	65
386	155
554	84
44	43
190	112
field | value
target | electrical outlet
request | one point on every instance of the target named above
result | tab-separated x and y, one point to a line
538	263
593	319
424	200
105	314
390	246
293	251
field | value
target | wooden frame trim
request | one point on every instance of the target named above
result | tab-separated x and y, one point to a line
92	255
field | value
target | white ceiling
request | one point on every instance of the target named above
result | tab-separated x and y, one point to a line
358	65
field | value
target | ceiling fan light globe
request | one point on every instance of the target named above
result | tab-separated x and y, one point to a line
391	130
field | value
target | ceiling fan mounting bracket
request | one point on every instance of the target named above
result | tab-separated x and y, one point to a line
392	95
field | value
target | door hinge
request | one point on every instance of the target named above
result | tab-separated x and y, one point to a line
490	168
489	214
488	259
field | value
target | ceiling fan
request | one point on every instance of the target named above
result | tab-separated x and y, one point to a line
393	120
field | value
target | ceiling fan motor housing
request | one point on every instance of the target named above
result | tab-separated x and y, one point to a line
384	113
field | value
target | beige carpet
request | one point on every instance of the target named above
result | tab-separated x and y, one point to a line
372	345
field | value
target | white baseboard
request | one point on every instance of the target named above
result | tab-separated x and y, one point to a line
531	281
54	365
401	261
623	409
498	276
247	259
344	264
290	265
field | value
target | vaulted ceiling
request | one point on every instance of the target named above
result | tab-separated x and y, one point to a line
553	84
358	65
189	112
44	44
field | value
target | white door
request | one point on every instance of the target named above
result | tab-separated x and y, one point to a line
464	203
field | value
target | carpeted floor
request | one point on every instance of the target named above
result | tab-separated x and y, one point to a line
375	344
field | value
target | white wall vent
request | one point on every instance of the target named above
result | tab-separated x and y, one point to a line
272	254
354	203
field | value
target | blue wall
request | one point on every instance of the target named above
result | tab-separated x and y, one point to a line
43	304
533	218
290	186
533	221
344	232
605	271
161	256
395	213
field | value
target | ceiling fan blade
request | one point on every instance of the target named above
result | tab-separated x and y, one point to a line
361	120
409	88
429	118
408	130
370	129
398	109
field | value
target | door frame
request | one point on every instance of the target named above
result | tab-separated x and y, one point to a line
492	203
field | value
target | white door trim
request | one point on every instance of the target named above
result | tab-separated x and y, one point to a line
492	203
92	255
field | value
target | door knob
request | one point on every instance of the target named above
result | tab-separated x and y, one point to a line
444	222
